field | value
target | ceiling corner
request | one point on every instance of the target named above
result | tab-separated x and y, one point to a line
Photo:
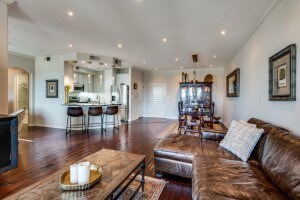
256	26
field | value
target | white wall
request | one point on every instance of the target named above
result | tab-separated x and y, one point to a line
172	79
135	100
48	111
28	64
279	30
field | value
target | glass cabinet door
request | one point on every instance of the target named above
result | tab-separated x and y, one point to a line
199	91
192	94
184	97
206	95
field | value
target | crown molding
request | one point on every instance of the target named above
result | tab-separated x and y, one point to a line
7	1
255	27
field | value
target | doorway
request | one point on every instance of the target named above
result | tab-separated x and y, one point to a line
157	100
18	82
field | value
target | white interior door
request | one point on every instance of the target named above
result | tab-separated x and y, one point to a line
158	100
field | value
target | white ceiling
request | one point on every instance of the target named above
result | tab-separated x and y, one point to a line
43	27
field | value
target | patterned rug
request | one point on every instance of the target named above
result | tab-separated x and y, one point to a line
153	189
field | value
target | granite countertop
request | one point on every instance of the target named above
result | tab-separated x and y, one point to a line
91	104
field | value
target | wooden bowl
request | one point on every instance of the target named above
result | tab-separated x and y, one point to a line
95	176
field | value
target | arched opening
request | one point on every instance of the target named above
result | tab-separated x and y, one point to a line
19	89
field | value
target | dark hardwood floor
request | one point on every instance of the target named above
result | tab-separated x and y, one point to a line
47	150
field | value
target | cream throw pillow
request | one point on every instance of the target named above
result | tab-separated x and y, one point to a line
241	139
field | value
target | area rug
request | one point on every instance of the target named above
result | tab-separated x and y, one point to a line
172	128
153	189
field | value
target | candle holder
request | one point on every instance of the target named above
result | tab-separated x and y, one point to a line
95	176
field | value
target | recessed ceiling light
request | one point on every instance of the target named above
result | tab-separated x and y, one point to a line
210	65
105	64
120	45
181	67
70	13
155	69
165	39
82	61
176	59
144	61
223	32
215	56
70	45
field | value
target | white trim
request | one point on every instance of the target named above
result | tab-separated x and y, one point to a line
255	27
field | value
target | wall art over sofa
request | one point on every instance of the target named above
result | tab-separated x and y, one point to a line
282	75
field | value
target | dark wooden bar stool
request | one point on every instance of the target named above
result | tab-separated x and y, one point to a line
112	111
95	112
75	112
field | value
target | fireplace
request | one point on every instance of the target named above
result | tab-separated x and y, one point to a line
8	143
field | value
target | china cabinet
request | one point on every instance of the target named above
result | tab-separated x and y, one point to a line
192	94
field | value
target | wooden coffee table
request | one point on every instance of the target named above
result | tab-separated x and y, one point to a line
119	169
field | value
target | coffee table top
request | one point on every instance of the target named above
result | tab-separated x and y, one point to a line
116	167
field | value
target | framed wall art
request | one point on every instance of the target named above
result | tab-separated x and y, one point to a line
233	84
51	88
282	75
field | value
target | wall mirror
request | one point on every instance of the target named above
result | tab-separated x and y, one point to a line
233	84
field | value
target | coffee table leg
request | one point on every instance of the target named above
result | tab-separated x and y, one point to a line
143	175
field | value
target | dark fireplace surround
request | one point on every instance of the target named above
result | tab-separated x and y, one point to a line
8	143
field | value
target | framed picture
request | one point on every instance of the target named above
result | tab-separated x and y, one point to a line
233	84
51	88
282	75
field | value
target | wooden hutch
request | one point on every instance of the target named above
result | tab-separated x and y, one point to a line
192	94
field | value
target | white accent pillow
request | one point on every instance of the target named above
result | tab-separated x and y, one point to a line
241	139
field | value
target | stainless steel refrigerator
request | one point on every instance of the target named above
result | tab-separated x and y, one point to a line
124	100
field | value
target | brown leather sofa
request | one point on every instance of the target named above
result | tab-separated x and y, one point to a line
272	172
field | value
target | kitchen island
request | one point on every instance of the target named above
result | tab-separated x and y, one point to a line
85	107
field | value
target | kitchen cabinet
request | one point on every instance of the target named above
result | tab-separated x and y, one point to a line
88	83
80	78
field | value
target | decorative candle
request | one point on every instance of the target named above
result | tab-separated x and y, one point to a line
83	173
74	173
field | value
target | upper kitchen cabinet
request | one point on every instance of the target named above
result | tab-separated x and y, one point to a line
88	83
79	78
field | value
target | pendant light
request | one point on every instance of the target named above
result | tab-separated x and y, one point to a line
195	59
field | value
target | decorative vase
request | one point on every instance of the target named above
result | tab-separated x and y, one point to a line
66	97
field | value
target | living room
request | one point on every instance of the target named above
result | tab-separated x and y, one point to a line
129	88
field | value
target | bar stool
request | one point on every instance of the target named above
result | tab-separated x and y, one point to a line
75	112
95	112
112	111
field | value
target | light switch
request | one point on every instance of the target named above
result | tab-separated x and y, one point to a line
261	99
